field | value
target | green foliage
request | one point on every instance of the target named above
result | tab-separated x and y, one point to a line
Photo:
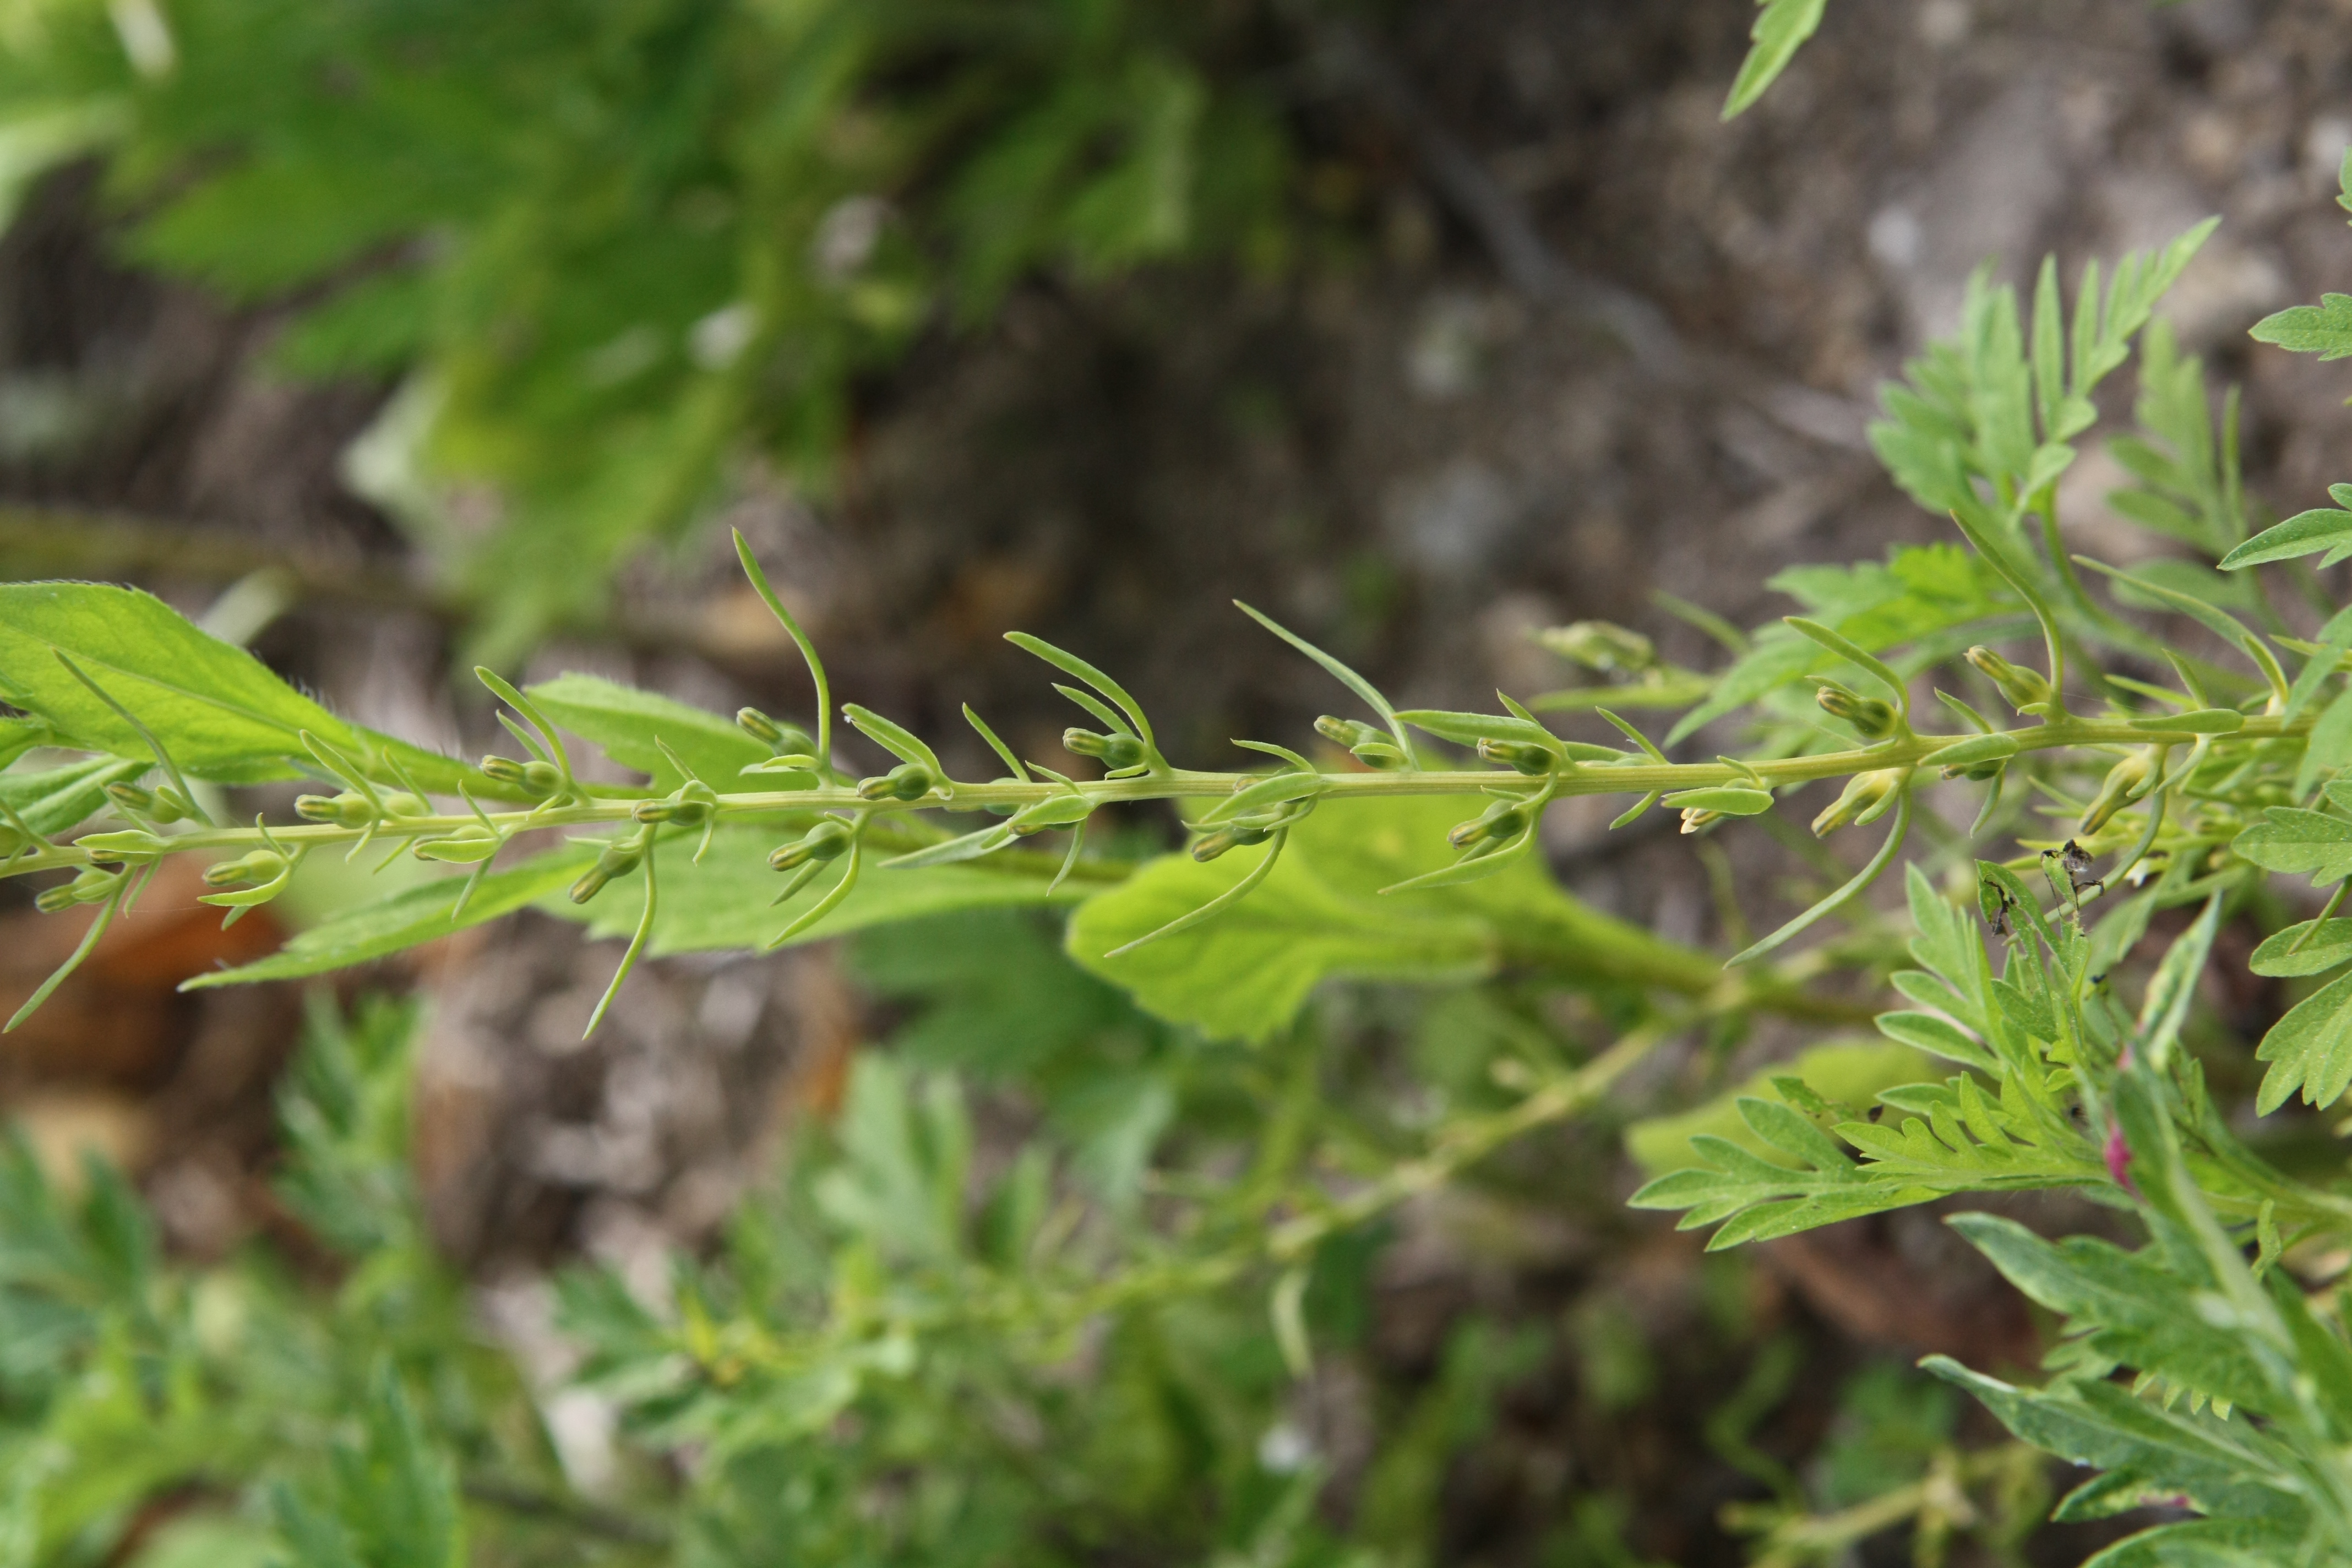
1321	913
1781	29
738	212
1986	423
2324	329
407	919
1047	1283
153	679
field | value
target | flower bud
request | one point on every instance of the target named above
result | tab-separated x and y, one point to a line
907	781
157	805
1871	718
260	866
2024	687
1115	751
1977	772
1526	756
1209	846
1503	819
1601	645
825	841
620	857
691	806
1368	743
349	809
534	777
775	735
1697	819
130	844
1348	732
90	886
1865	798
2125	783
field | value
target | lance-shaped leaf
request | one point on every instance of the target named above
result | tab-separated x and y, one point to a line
1861	879
1926	1032
2196	721
894	738
1366	692
1968	752
2321	660
1201	914
2220	622
630	726
1260	795
760	585
55	799
722	905
1066	810
1469	729
2166	1007
409	918
2305	533
1781	29
217	709
1855	653
1071	664
1731	800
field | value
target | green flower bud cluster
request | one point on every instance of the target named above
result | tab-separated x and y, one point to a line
2027	691
534	777
907	781
90	886
1369	744
825	841
159	805
1116	753
621	857
1871	718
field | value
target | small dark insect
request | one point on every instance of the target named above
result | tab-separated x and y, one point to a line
1996	903
2075	861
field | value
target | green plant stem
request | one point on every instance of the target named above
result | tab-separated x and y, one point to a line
745	1343
1467	1141
1639	777
1815	1538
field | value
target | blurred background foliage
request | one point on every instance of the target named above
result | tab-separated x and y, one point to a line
612	250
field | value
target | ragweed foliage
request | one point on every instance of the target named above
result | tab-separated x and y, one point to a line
876	1366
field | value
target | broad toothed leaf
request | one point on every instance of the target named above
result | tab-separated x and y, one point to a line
216	709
